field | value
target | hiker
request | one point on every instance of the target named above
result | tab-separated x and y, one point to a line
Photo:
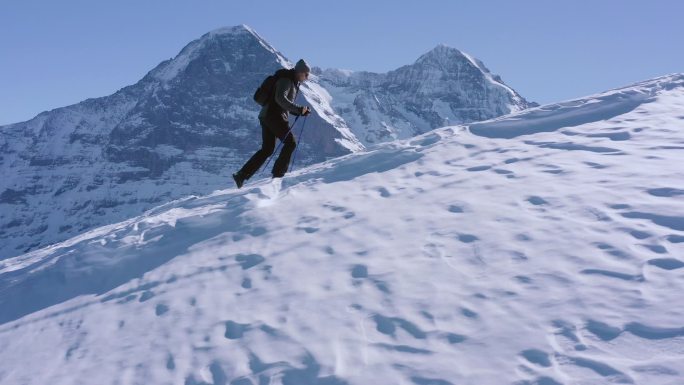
273	118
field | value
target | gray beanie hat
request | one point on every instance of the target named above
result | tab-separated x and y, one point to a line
302	66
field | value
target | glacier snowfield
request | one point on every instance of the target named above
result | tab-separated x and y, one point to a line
543	247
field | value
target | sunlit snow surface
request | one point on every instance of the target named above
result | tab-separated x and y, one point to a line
544	247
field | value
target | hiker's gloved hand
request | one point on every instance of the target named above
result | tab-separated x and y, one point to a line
305	111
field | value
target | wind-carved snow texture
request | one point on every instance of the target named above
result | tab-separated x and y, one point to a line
191	122
552	256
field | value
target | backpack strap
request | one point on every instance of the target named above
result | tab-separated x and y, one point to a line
297	84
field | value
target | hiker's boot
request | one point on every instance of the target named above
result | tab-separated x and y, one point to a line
239	178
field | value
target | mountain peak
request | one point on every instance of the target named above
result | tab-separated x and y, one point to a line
445	56
241	36
241	29
441	51
442	48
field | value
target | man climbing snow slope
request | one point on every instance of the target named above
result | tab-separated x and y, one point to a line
278	100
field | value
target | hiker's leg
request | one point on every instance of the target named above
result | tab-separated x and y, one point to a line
283	161
258	159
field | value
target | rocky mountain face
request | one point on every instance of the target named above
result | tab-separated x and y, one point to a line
444	86
181	130
190	122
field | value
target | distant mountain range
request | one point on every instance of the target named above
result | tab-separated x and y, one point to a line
444	86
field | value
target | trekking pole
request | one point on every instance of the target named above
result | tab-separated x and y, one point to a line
279	144
301	133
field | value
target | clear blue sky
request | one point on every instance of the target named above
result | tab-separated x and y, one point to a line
55	53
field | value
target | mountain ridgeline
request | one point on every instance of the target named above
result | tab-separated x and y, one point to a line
444	86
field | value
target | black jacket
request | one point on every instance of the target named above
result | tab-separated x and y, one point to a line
283	99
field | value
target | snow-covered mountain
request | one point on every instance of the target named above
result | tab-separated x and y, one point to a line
183	129
543	247
190	122
444	86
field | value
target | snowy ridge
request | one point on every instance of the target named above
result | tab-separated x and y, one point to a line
576	112
455	257
319	100
517	101
281	59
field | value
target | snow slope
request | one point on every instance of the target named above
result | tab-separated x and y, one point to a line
543	247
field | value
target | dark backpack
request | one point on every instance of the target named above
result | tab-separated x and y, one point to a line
266	90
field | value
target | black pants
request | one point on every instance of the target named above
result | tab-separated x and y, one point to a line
270	130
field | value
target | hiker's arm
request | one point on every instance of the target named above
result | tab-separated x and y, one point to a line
282	87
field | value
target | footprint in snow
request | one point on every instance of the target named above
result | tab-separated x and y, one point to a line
537	201
595	165
537	357
383	192
502	171
667	192
478	168
359	271
248	261
455	209
235	330
674	238
658	249
467	238
161	309
615	274
666	263
673	222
